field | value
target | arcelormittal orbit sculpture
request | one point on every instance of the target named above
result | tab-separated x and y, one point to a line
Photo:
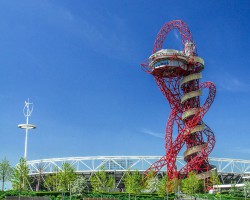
178	74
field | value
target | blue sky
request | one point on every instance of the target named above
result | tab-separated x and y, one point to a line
79	63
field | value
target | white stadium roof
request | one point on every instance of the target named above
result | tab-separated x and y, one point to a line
124	163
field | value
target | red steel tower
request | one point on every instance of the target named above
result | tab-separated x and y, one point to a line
178	74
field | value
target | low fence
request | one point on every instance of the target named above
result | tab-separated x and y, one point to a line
99	199
26	198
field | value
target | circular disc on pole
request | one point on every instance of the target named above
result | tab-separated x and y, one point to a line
26	126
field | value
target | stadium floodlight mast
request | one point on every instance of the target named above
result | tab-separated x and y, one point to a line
27	110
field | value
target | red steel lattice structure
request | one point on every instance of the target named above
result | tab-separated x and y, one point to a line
177	74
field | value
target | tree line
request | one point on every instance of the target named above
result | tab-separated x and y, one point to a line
65	179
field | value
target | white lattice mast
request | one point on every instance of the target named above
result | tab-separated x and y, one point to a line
27	110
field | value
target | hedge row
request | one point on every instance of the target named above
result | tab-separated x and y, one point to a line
120	196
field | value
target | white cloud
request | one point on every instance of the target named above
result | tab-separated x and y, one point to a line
242	150
102	32
230	83
152	133
177	36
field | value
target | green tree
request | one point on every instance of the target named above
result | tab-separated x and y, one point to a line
40	168
133	182
233	190
247	188
20	178
65	176
5	171
51	181
202	186
150	182
214	179
162	186
101	181
190	185
111	182
174	185
79	186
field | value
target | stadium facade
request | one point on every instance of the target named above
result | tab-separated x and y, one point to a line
229	170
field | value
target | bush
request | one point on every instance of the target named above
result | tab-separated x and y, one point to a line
51	193
4	194
125	196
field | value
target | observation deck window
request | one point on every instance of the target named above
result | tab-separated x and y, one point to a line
162	62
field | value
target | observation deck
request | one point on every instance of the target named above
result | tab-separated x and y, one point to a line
170	63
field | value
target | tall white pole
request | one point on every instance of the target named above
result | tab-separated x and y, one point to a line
26	130
26	143
27	110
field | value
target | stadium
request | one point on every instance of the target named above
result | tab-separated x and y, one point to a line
229	170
